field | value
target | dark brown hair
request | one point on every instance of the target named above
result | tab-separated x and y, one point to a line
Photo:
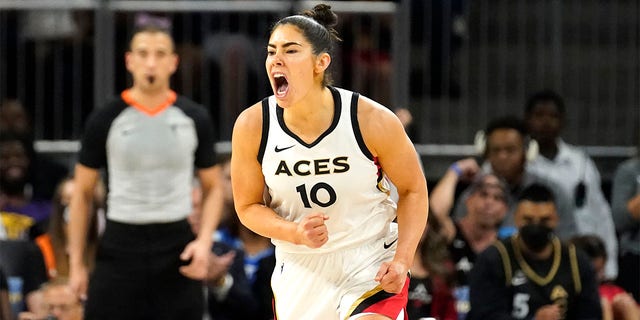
318	27
151	28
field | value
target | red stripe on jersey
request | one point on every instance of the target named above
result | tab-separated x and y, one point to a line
390	306
381	184
377	163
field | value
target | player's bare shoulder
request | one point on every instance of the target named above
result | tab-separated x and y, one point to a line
248	127
377	123
372	116
249	120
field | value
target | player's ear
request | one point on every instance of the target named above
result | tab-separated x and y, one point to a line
322	62
175	63
127	60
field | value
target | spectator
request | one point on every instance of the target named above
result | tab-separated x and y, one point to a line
259	253
430	293
16	194
486	207
571	169
228	291
228	231
254	251
59	225
25	270
43	173
58	302
532	275
505	154
14	118
617	304
625	202
21	216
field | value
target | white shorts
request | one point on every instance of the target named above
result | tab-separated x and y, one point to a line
336	285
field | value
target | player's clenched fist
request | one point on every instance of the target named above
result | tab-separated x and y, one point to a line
392	276
311	230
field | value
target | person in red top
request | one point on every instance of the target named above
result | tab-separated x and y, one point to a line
617	304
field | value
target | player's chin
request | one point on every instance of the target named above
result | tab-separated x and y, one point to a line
282	103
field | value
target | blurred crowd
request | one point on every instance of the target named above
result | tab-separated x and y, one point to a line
476	204
527	188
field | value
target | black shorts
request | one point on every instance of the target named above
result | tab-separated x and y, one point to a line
136	274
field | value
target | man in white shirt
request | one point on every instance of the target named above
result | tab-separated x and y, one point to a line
572	169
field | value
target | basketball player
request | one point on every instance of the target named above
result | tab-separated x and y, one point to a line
149	139
322	153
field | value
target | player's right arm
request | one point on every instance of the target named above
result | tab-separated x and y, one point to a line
248	186
85	180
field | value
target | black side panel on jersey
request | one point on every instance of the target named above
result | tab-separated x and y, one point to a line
93	151
265	129
356	126
205	155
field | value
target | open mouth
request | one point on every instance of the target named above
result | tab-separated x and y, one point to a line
151	79
282	85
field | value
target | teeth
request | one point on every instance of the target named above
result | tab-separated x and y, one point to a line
278	75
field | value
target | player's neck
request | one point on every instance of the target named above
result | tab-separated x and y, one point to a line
312	115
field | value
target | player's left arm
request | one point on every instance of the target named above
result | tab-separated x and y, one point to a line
199	249
386	138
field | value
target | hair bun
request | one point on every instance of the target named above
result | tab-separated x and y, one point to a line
323	14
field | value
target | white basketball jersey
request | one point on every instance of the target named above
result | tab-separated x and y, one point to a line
336	175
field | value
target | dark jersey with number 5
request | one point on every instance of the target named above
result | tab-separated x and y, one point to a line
505	284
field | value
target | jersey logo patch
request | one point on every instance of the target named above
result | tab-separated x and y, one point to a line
282	149
558	292
387	246
458	244
518	279
126	132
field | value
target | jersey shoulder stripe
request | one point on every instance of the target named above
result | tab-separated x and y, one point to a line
265	129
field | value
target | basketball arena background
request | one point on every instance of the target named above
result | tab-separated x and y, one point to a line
454	64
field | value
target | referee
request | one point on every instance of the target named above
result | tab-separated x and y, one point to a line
150	140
